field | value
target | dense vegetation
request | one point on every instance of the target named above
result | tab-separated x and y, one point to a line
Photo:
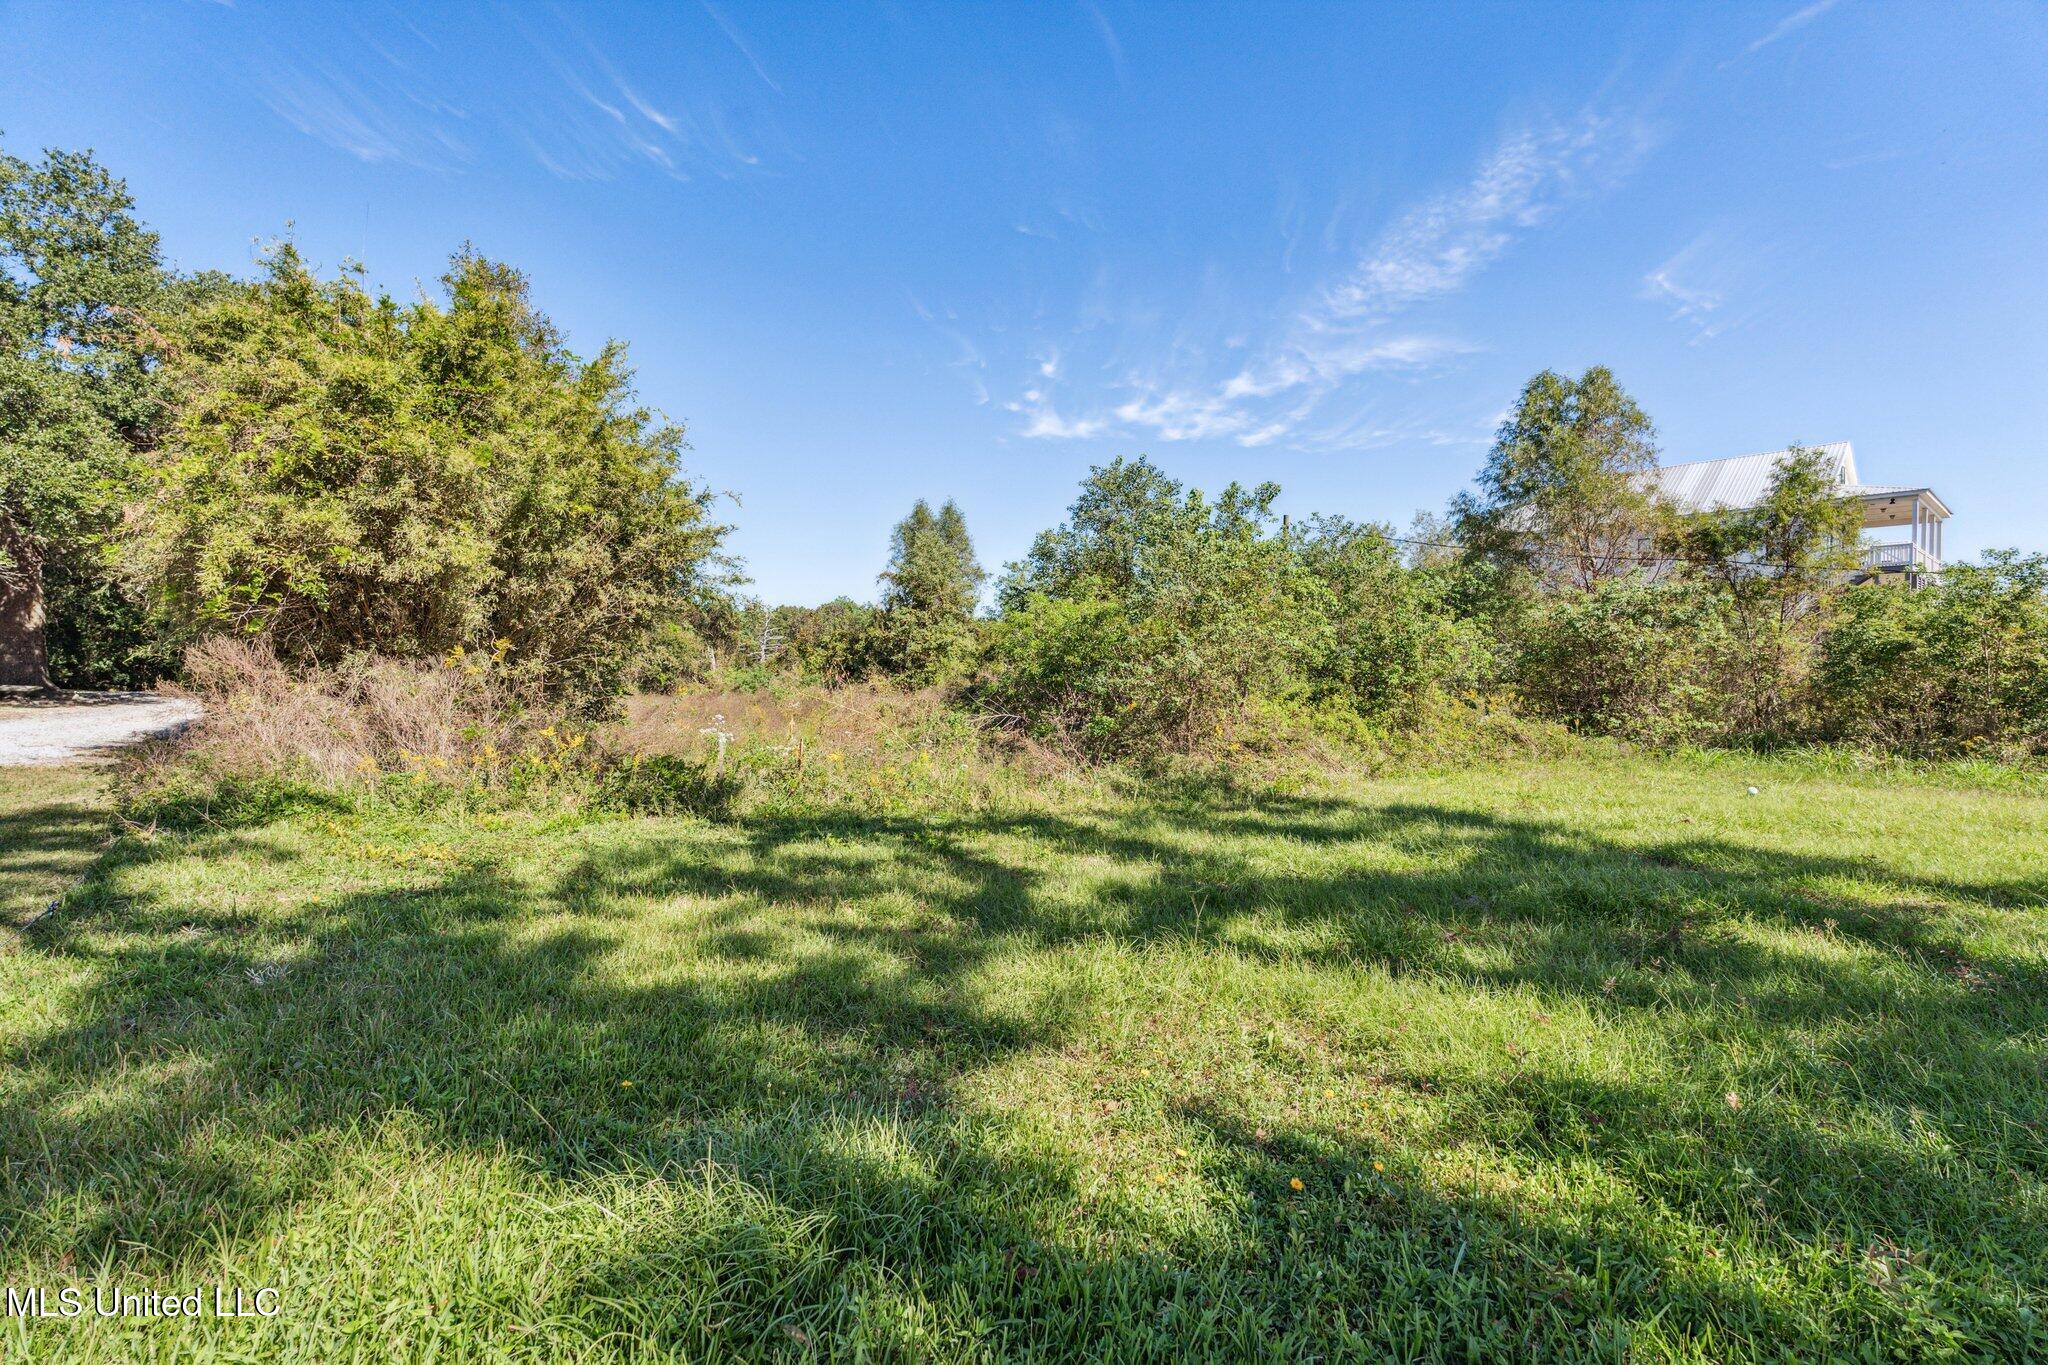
79	396
338	475
328	470
1237	935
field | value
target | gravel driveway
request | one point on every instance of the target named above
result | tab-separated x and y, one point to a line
85	726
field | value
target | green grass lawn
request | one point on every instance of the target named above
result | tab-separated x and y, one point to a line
1603	1058
52	823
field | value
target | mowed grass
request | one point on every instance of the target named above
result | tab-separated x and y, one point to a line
53	822
1603	1058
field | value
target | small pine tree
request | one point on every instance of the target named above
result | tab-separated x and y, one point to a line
929	593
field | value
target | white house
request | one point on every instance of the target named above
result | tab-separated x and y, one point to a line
1740	481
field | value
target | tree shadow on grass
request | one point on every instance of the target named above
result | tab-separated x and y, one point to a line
787	1012
1896	1033
46	843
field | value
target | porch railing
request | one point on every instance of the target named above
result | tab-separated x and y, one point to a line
1898	558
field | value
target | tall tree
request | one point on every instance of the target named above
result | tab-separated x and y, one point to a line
351	474
929	592
1564	495
78	392
1097	551
1779	569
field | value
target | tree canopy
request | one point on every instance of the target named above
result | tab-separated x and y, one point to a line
79	393
1563	496
349	474
929	593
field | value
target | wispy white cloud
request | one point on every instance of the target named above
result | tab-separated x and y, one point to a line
1281	374
1041	420
739	40
1792	23
666	122
382	93
1687	302
1437	246
1696	283
609	126
1112	46
373	116
967	358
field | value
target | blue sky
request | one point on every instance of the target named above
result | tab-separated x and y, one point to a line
877	251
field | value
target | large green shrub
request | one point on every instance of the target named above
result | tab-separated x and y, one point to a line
1388	641
1628	656
1774	575
1158	620
1064	668
1154	617
1961	666
350	475
830	643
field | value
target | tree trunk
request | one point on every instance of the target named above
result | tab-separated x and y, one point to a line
24	659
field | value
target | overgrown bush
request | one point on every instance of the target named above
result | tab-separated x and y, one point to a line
1153	619
361	725
1771	577
1068	672
350	475
666	784
1390	644
1628	657
1157	621
1960	667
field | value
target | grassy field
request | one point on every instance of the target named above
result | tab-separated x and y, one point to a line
1603	1058
52	823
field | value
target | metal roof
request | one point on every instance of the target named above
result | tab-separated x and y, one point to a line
1742	480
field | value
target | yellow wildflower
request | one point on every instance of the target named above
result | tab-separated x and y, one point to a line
1296	1185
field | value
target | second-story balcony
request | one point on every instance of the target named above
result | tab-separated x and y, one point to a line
1900	557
